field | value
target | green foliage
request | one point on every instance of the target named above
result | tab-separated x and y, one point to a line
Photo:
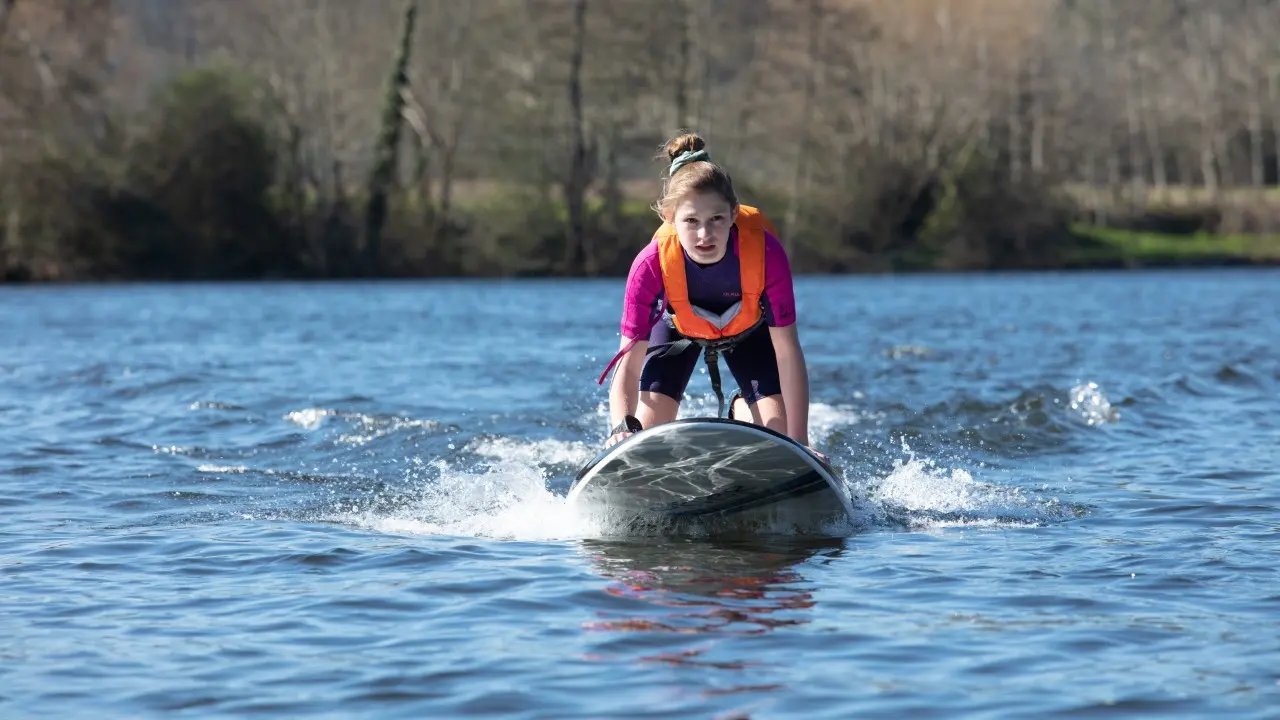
965	211
199	184
522	232
914	141
50	218
200	196
1098	246
986	218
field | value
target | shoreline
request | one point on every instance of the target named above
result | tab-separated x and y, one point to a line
1091	249
1118	265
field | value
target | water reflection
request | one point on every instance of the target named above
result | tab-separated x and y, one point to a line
701	586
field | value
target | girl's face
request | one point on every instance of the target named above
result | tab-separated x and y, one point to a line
702	221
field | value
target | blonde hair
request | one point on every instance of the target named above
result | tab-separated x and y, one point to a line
691	175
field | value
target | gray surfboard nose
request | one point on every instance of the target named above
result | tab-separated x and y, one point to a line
699	468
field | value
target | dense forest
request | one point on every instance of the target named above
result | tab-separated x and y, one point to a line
195	139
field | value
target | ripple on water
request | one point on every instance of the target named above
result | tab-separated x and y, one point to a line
331	499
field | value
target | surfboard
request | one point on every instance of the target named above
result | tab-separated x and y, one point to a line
715	472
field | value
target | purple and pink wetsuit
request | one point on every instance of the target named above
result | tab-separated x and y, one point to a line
716	288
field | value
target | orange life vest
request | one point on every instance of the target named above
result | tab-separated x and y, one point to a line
752	225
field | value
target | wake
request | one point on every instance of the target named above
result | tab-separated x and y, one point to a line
509	488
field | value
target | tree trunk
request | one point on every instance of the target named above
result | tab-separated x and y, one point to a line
1015	128
612	210
800	179
1273	100
754	61
383	176
1156	151
577	257
1133	120
1038	121
1256	160
684	57
1208	162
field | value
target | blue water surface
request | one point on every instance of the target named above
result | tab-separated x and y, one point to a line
347	500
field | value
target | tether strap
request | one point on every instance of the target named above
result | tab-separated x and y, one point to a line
713	370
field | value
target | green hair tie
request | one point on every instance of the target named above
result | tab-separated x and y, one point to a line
685	158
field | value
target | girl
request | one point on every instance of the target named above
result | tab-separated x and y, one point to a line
715	277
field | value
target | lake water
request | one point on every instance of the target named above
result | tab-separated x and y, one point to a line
347	500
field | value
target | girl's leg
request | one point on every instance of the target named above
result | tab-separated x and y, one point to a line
768	411
656	408
664	378
755	367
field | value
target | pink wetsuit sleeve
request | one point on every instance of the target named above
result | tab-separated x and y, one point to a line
778	290
644	286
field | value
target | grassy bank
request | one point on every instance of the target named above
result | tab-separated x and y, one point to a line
1110	247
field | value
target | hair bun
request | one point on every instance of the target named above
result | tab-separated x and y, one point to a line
689	170
683	144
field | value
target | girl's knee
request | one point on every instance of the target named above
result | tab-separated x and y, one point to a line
768	411
656	408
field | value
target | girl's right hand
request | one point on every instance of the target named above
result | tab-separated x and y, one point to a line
623	430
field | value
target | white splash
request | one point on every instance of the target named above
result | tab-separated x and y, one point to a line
1090	405
897	352
824	419
223	469
371	428
508	500
366	427
506	495
310	418
926	496
545	452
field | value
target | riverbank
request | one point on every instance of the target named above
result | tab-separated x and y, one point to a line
1085	247
1100	247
